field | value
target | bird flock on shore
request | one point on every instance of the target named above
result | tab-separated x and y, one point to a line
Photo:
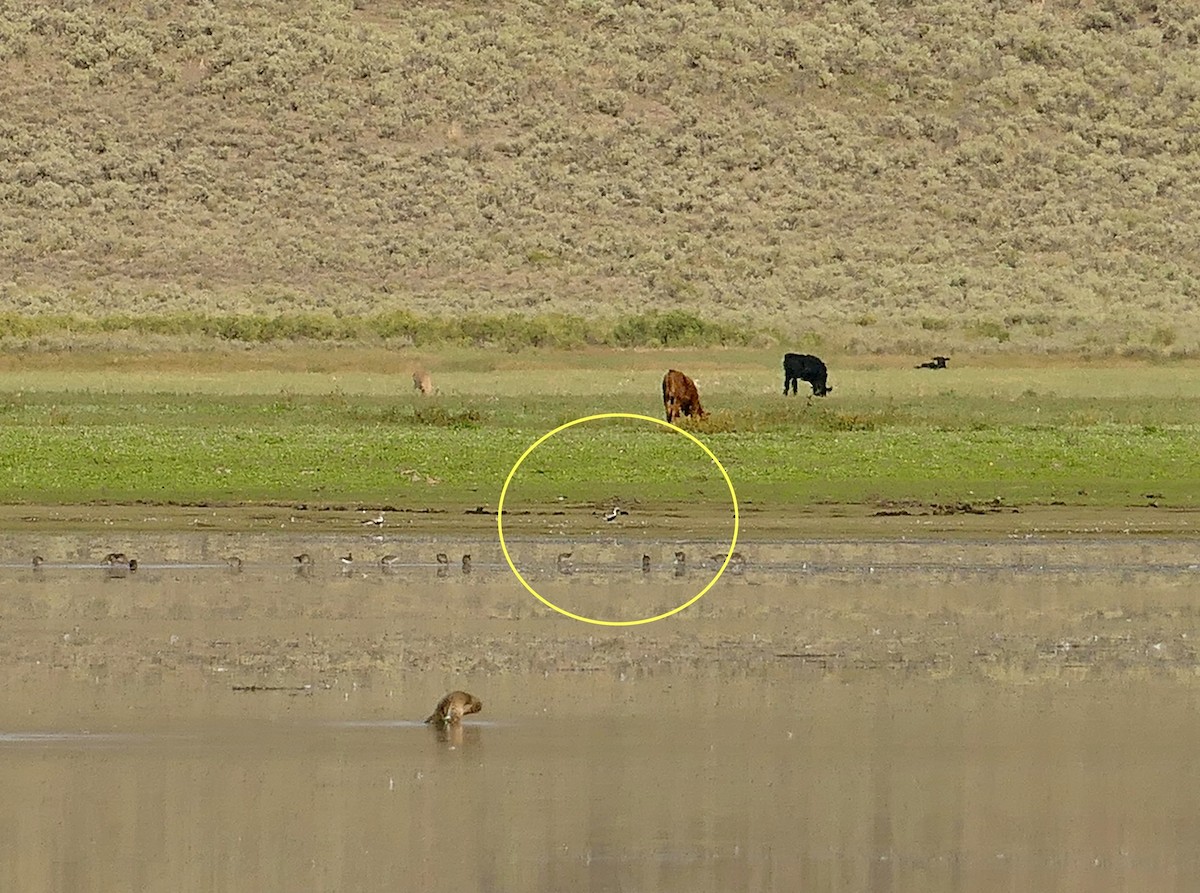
304	563
448	713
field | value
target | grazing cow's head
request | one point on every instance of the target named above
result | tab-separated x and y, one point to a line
822	390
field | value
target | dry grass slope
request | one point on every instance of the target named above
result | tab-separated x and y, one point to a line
958	174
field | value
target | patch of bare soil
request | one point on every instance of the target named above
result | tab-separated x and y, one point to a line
885	518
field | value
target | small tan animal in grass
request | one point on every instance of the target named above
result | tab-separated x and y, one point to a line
422	382
451	709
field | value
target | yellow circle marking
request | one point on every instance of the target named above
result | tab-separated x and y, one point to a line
618	415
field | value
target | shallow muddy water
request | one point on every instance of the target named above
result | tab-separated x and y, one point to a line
1001	713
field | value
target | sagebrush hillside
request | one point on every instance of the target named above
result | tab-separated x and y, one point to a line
889	175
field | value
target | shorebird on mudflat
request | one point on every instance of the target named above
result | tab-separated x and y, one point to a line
737	562
616	512
564	563
119	568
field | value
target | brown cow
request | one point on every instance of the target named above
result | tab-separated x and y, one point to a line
422	382
680	396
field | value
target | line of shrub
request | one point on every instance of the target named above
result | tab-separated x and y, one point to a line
674	328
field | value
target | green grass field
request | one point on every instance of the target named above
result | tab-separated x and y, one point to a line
259	428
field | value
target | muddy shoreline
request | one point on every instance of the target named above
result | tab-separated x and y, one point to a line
839	520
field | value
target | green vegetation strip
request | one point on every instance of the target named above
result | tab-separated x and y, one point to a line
116	430
418	465
673	328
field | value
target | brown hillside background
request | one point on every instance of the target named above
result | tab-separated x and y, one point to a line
866	176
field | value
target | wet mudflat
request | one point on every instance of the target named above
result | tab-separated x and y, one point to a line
1007	712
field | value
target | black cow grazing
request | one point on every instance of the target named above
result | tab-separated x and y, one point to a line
935	363
799	367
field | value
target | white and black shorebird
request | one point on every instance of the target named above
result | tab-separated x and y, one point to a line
616	512
466	564
347	560
377	521
234	562
38	561
645	564
387	561
680	564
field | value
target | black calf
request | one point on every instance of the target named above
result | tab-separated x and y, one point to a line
935	363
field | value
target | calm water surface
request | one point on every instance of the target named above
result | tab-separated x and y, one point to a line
852	716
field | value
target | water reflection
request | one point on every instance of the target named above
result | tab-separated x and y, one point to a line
956	719
881	787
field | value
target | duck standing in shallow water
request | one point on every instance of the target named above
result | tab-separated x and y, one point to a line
737	562
304	564
119	567
466	564
680	564
451	709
